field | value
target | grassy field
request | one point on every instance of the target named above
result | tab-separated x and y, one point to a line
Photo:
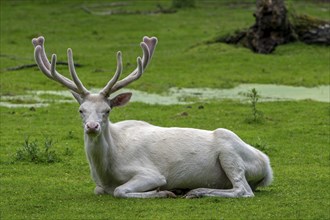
294	134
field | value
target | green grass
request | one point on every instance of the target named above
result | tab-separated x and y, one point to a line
298	151
295	135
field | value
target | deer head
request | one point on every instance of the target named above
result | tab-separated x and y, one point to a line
94	108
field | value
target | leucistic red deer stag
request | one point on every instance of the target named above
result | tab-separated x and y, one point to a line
134	159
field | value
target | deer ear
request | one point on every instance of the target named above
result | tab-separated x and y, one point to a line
120	100
77	97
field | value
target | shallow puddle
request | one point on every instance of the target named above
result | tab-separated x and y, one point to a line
267	92
174	96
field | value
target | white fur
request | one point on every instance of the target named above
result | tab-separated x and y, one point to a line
136	159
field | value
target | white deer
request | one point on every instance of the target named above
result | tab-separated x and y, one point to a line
134	159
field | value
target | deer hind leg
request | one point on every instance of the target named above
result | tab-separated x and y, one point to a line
233	166
143	186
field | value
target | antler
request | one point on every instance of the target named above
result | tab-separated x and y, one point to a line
148	46
49	69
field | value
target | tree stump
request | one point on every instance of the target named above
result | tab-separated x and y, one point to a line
272	28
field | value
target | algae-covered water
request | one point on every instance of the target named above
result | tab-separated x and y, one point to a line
267	92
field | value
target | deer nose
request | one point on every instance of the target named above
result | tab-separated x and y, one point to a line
92	127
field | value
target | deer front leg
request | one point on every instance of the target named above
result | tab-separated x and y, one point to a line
139	186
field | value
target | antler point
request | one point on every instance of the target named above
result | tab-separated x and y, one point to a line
69	51
146	39
34	41
38	41
41	40
54	58
155	39
143	44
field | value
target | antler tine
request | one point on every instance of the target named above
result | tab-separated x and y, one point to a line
49	69
148	45
40	55
59	78
151	43
48	72
40	63
74	75
106	90
136	73
40	41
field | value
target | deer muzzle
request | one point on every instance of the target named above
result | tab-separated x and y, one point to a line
92	127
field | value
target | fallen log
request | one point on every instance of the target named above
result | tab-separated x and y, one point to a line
24	66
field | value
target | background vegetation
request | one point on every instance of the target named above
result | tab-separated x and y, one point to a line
295	135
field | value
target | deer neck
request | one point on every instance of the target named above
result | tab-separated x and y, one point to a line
100	149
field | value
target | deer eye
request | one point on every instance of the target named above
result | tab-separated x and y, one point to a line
81	111
107	111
